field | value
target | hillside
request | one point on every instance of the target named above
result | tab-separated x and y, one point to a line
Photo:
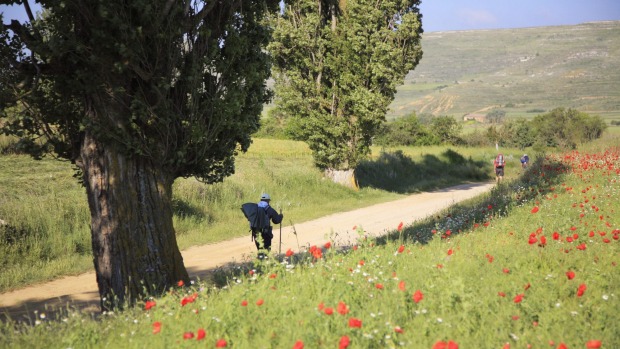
523	71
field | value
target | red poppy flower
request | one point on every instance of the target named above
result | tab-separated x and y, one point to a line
543	241
397	329
518	298
562	346
581	290
362	262
200	334
556	235
180	283
446	345
189	299
260	302
156	327
344	342
244	303
506	271
532	240
401	249
535	209
440	345
188	335
149	304
342	308
450	252
221	343
401	285
328	245
289	252
417	296
570	274
490	207
298	345
321	306
379	286
582	247
593	344
501	294
329	311
355	323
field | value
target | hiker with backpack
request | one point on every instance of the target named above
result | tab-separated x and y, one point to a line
525	160
499	164
260	216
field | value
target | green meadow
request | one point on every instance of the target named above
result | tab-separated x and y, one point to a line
46	231
531	264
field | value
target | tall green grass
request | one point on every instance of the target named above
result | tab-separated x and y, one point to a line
486	278
46	233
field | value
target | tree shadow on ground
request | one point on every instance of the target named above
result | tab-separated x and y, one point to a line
397	172
537	179
181	208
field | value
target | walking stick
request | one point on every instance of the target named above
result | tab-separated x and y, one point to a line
280	247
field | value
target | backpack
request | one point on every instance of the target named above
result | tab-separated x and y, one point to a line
499	160
257	216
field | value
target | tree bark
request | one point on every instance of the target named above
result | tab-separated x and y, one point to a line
342	177
135	252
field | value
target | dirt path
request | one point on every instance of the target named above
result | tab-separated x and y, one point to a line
81	291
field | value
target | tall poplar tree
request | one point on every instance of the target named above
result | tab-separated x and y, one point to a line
136	94
337	66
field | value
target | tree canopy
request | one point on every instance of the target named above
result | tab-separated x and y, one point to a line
337	66
181	84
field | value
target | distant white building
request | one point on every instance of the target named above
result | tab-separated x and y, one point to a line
474	116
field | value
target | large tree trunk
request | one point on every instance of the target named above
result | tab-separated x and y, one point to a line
133	239
342	177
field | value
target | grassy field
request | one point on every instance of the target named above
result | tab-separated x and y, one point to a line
46	231
518	70
532	264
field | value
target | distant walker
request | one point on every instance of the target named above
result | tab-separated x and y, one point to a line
499	163
525	160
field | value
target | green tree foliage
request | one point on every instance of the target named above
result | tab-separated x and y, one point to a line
447	129
518	133
496	116
136	94
407	131
337	67
566	128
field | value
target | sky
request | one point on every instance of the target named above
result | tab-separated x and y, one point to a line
442	15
